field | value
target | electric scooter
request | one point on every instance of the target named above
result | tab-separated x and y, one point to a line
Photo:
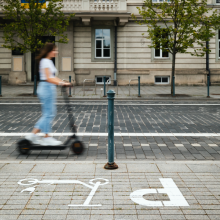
76	146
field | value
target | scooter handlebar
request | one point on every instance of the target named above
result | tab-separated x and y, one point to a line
64	86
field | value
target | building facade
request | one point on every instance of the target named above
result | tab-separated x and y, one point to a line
105	41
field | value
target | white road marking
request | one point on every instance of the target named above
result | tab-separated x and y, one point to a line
132	104
2	134
170	188
94	186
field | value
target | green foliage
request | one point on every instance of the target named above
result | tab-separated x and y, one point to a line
25	24
188	23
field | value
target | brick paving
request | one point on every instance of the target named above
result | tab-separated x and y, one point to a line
191	162
135	119
198	183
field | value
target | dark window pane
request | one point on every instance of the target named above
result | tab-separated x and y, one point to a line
98	53
106	78
217	1
106	53
17	52
99	79
165	54
219	48
157	52
158	79
165	80
98	44
106	43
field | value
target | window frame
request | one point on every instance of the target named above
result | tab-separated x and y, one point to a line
161	83
101	83
218	41
217	47
161	54
158	1
93	46
102	47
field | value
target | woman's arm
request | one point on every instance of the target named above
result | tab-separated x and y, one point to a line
54	80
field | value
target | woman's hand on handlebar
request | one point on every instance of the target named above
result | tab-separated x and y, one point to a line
67	84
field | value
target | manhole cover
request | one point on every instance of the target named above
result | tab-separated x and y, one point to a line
169	95
25	94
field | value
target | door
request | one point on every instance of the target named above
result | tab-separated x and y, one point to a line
34	63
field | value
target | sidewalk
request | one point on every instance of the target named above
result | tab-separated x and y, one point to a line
147	92
85	191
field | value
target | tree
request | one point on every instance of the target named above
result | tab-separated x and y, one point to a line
179	26
26	24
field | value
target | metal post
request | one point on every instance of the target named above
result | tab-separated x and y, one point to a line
35	85
95	86
74	92
111	164
129	86
104	88
70	87
0	86
139	87
173	85
208	81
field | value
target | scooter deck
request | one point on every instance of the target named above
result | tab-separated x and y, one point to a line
41	147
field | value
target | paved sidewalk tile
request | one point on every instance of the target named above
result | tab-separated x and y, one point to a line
39	193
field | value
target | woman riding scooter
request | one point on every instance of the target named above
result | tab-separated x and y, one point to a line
47	95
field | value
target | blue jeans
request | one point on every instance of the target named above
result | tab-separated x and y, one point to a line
47	94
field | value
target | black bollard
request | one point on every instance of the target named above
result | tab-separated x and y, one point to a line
111	164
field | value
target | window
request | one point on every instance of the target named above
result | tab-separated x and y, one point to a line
219	44
100	79
16	52
217	1
159	52
102	43
160	1
162	79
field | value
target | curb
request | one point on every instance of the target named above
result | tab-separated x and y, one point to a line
116	99
214	162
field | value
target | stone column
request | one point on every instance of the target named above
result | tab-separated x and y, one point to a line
66	58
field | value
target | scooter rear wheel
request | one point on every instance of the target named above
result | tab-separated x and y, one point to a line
77	147
24	146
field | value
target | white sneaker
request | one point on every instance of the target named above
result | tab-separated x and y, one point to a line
33	138
49	141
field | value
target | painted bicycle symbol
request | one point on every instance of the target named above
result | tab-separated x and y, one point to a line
93	185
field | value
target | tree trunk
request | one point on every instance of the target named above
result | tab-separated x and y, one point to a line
35	70
173	71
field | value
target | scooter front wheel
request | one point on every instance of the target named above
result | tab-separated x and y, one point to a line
24	146
77	147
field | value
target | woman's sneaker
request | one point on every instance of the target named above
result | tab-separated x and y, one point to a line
49	141
33	138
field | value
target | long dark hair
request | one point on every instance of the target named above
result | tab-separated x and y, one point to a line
48	47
